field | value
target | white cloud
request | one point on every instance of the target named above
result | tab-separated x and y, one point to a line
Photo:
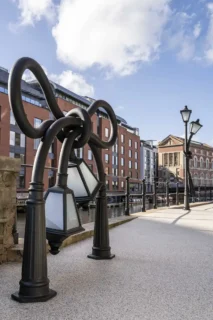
74	82
34	10
197	30
180	35
68	79
209	40
117	35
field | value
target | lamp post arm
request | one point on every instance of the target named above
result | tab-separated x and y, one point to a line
66	150
189	140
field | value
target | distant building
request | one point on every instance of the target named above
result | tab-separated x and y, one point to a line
149	157
172	165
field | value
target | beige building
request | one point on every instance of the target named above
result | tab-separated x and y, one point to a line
171	161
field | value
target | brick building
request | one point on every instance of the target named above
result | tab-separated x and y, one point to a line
120	161
149	162
171	161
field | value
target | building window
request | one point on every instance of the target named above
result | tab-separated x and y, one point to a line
122	173
21	181
136	145
51	179
22	144
79	153
107	170
12	119
165	159
122	162
130	174
107	184
136	165
207	163
89	154
195	162
12	138
115	172
170	159
136	155
122	150
130	153
130	164
130	142
176	158
106	158
122	185
106	132
122	138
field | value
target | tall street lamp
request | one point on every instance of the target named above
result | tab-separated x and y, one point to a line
194	128
73	130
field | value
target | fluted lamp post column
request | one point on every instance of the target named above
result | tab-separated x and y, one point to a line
194	128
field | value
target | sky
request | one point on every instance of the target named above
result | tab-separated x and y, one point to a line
147	59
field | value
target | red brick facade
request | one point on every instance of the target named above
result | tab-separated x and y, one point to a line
115	172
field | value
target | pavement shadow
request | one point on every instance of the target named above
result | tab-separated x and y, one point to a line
183	215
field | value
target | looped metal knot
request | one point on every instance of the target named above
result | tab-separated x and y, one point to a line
79	118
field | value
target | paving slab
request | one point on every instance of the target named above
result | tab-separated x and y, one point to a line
163	270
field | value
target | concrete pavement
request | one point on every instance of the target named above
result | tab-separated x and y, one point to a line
163	270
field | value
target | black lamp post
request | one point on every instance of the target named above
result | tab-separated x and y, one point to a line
62	217
194	128
34	285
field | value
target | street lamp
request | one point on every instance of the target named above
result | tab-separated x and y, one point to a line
34	285
81	180
194	128
186	113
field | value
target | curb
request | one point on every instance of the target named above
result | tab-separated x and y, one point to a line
16	252
192	205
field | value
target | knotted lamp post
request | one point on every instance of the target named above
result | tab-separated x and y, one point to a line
195	126
74	131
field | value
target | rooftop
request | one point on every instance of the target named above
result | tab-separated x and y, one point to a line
181	140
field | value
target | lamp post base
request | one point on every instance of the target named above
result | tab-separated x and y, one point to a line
186	208
101	254
92	256
27	299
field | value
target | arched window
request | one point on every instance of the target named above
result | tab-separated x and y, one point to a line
207	179
201	162
195	180
202	181
207	163
195	162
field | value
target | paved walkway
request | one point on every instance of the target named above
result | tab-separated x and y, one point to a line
163	270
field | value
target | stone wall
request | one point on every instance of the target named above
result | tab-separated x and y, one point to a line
9	170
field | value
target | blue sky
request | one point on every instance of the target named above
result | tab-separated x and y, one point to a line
148	59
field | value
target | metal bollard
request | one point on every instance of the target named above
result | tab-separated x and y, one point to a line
144	195
155	194
177	193
167	194
127	197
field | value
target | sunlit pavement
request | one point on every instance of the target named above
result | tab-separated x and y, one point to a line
163	270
